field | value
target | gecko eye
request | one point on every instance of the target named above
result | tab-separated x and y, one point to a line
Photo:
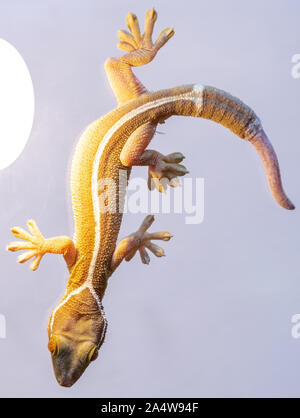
53	346
93	354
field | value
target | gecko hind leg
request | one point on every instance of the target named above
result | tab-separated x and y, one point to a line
140	241
140	50
165	171
38	246
134	41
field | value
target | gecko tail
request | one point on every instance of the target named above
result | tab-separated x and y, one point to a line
221	107
269	159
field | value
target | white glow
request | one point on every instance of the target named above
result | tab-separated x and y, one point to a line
16	104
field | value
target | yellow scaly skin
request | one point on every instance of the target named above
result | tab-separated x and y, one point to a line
116	142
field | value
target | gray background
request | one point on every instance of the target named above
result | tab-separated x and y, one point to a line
213	318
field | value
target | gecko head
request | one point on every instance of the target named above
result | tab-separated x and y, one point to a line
74	341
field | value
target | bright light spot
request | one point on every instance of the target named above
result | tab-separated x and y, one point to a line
16	104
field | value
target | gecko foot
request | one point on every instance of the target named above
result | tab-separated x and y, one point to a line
141	241
34	244
134	40
38	246
166	171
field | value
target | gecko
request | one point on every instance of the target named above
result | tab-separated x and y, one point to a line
117	142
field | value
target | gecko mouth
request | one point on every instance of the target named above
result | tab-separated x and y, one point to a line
65	377
66	382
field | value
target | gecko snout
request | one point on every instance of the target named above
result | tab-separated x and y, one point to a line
70	358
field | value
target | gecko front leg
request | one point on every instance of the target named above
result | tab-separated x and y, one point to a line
38	246
140	241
